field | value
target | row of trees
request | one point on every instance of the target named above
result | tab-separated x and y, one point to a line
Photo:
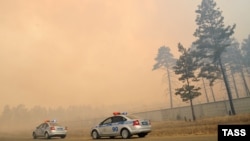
213	53
21	117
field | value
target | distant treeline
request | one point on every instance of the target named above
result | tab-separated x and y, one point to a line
20	115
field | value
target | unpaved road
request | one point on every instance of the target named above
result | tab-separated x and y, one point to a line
147	138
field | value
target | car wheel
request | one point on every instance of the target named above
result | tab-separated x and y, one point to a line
125	134
63	137
34	135
47	135
95	135
141	135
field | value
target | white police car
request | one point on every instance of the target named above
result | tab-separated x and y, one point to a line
48	129
121	124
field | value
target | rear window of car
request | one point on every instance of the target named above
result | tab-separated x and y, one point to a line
54	124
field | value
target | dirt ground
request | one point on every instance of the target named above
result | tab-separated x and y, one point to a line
16	137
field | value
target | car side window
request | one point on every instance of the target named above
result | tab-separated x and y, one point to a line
45	125
107	121
40	126
118	119
114	119
123	119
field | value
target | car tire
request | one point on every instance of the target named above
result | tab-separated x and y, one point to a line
141	135
125	134
62	137
34	135
47	135
95	135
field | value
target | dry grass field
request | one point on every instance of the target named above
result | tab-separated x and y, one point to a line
176	128
201	126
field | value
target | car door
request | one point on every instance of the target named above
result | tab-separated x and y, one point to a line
44	128
39	130
105	126
117	124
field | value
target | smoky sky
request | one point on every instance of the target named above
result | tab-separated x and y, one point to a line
95	52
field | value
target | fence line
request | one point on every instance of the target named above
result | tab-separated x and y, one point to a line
205	110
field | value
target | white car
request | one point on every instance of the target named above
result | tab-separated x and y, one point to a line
50	129
121	124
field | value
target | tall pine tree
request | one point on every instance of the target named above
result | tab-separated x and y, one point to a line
185	67
213	37
165	59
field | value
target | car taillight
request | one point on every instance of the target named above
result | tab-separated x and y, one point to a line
52	128
136	122
149	123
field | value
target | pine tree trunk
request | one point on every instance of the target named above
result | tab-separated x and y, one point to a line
235	86
170	89
192	109
205	90
212	91
229	94
245	83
